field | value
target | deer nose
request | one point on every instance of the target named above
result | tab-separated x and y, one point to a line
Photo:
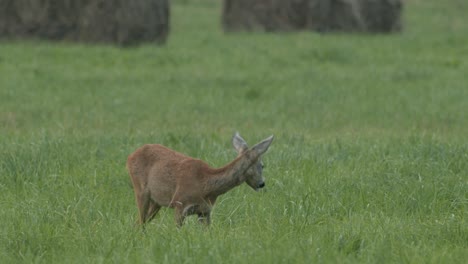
261	185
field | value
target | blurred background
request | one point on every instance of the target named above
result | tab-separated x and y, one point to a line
367	100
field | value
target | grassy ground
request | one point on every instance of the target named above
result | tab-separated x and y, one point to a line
369	164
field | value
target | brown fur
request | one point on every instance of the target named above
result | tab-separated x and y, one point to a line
162	177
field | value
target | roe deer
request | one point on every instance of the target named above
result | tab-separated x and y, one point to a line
162	177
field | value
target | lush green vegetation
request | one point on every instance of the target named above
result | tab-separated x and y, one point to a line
369	164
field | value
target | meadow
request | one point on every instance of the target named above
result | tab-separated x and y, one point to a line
369	162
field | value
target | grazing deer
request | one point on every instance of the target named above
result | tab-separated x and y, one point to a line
162	177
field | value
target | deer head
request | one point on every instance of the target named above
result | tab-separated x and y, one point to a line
254	175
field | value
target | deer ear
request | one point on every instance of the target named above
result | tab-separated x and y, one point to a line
239	143
263	146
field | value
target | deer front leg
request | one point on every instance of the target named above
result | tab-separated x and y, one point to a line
179	215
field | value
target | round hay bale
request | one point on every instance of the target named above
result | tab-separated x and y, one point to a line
334	15
125	22
49	19
382	15
317	15
121	22
263	15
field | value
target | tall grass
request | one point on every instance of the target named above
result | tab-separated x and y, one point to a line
369	164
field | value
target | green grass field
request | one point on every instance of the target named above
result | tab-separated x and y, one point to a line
369	163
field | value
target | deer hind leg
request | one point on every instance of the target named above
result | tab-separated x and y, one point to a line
153	209
143	202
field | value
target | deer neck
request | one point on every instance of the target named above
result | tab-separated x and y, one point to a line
229	176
